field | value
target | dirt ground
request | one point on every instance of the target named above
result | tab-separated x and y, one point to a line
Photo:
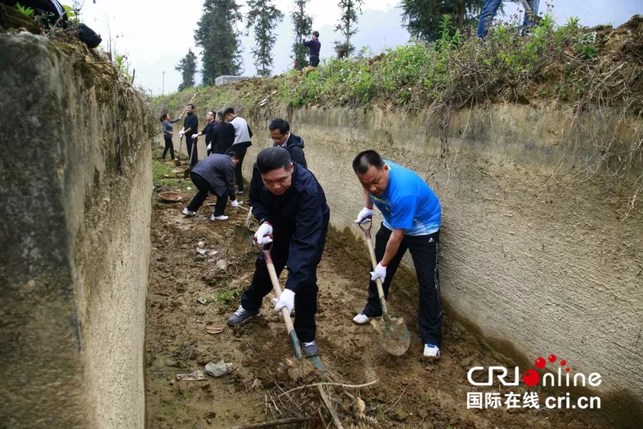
199	268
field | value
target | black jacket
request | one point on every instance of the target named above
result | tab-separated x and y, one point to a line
295	147
299	219
222	137
192	122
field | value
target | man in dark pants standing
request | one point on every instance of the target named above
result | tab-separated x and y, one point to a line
213	174
190	126
281	136
412	213
291	208
242	135
314	46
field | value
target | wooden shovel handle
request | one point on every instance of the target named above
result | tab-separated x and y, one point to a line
284	311
366	227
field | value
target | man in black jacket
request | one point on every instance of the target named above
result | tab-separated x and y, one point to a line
207	131
291	208
222	135
190	126
281	136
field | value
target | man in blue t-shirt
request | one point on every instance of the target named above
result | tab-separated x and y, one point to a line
411	213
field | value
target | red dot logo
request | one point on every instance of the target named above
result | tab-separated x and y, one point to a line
540	362
551	358
531	377
563	362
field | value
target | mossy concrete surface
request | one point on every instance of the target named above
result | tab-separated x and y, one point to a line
75	177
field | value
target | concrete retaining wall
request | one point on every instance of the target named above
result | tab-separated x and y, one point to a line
541	244
76	186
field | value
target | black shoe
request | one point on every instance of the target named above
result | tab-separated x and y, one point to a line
309	349
241	316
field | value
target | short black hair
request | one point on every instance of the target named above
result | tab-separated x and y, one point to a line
191	105
273	158
365	159
228	110
279	124
316	33
163	116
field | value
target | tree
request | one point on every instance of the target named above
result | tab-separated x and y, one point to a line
422	17
217	35
187	67
347	26
303	25
264	16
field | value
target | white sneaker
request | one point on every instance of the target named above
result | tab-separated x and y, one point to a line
361	319
188	213
431	352
220	217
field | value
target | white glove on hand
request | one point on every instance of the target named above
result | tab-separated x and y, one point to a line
181	133
363	214
263	234
286	299
234	204
209	146
379	273
195	136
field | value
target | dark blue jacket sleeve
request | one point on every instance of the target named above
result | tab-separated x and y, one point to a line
259	210
307	241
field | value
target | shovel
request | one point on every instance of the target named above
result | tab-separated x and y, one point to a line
177	161
395	335
292	335
244	232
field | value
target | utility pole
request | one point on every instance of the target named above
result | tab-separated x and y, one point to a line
163	85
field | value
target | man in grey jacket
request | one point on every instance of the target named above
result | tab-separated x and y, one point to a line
213	174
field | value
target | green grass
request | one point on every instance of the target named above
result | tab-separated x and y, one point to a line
226	296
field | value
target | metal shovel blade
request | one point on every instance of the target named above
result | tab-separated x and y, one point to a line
393	334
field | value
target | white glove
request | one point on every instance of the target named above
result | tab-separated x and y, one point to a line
195	136
286	299
379	273
209	146
234	204
181	133
263	234
363	214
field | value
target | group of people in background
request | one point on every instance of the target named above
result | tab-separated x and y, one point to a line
290	205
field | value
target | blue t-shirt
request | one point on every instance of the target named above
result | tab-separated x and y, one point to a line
408	203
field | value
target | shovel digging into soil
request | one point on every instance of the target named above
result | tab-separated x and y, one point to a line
395	337
292	335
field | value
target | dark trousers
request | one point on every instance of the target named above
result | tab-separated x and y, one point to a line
305	297
204	187
424	251
190	145
240	149
168	146
314	61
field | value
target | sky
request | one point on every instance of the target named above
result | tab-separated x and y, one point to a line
155	38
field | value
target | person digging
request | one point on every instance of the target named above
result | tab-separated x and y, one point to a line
291	208
213	174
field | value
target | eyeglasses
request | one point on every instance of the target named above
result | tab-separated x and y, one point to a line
279	139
